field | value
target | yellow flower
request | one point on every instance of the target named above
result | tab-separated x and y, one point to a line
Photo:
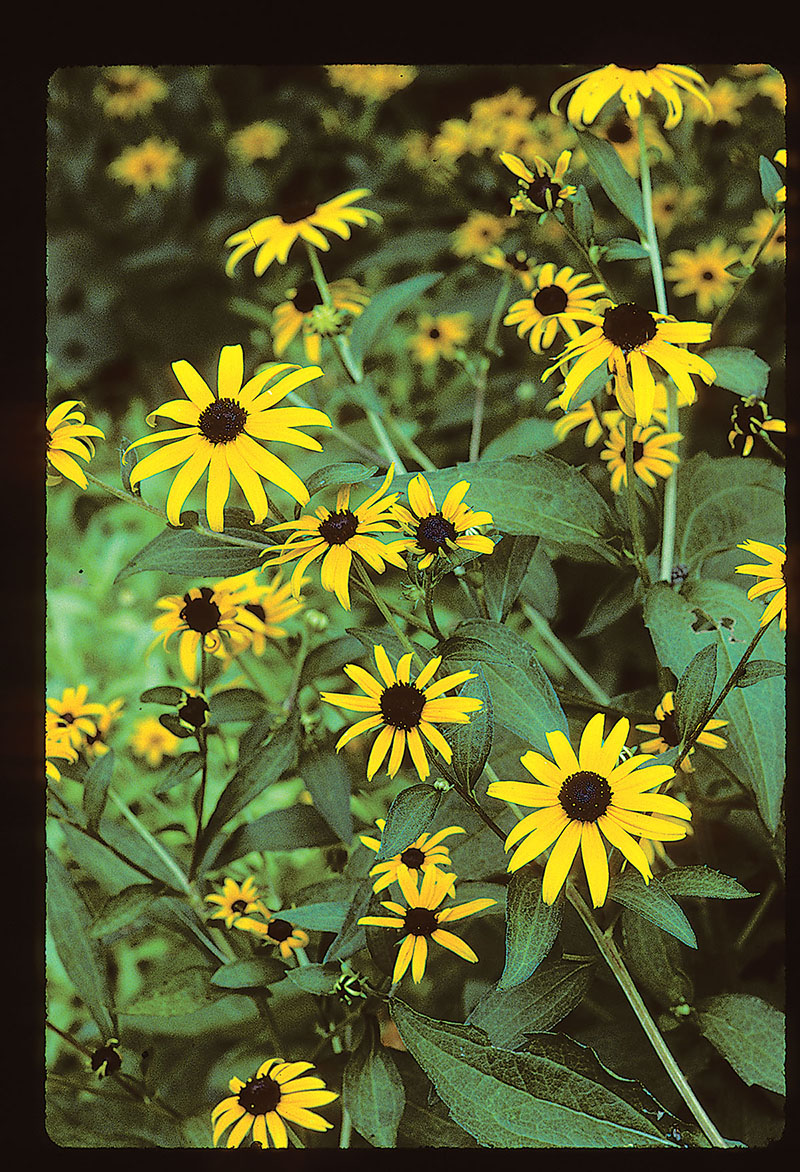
557	301
480	232
597	424
426	851
271	603
57	744
422	920
780	157
96	745
650	454
579	799
502	107
288	938
453	139
726	99
773	571
749	419
75	715
274	235
204	617
435	530
666	736
259	140
403	710
278	1091
152	741
757	230
703	272
68	436
237	901
628	338
127	90
151	164
518	264
339	535
439	336
623	135
540	190
594	89
302	311
373	82
219	433
673	204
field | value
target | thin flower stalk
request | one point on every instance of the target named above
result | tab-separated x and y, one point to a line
640	553
480	379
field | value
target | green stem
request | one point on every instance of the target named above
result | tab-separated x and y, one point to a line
202	744
608	950
415	452
639	551
406	615
598	276
387	614
566	656
429	611
481	380
777	219
152	842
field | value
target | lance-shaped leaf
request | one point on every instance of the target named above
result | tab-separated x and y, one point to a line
318	917
351	936
531	927
702	883
235	704
335	475
582	219
472	743
373	1092
327	779
751	1034
504	573
95	788
163	694
255	973
654	958
695	690
619	186
196	555
623	249
553	991
329	657
651	901
739	369
279	830
771	182
756	670
318	979
123	908
382	311
409	815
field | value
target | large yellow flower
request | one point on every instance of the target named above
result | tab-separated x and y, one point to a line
151	164
651	456
274	235
665	735
339	535
236	901
219	433
422	920
629	338
76	717
557	300
703	272
304	310
278	1091
68	436
594	89
579	799
773	571
403	711
437	530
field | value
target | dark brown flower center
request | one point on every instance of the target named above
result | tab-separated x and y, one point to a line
543	193
239	905
292	211
307	297
256	609
552	299
402	705
339	527
222	421
636	65
434	532
434	332
195	710
201	614
638	451
421	921
279	930
413	858
619	132
628	326
259	1096
708	275
668	729
585	796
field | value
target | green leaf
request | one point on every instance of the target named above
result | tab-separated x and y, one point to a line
756	670
255	973
556	1094
173	724
591	386
164	694
183	992
382	312
280	830
739	369
318	917
371	637
610	605
327	778
196	555
654	958
523	699
652	902
504	573
409	815
95	789
352	936
522	439
95	859
771	182
622	249
181	769
750	1034
123	908
318	979
187	1015
472	743
335	475
78	951
703	883
235	704
373	1092
330	657
553	991
582	220
75	1119
531	928
695	689
619	186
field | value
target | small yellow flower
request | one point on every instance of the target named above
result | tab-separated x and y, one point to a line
750	419
375	83
301	312
674	205
540	190
272	603
558	300
75	715
127	90
665	735
440	336
68	436
773	572
279	1091
428	850
151	164
756	231
726	99
288	938
651	456
502	107
632	83
96	743
152	741
57	744
453	139
517	263
237	901
259	140
480	231
703	272
436	530
623	134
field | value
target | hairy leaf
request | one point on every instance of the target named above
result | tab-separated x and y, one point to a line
750	1034
531	928
652	902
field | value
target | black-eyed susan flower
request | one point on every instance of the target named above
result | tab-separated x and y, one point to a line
422	921
628	338
480	231
57	745
434	530
153	163
651	455
540	190
428	850
749	419
279	931
558	300
339	535
584	416
756	232
674	205
304	310
518	264
204	618
237	900
221	433
373	82
780	158
274	235
278	1093
453	139
440	336
703	272
632	83
773	572
258	140
665	735
76	714
125	91
512	104
272	603
403	711
96	744
152	741
581	799
726	99
69	436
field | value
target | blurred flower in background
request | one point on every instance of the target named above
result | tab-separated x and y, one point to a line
301	312
154	163
480	231
259	140
438	337
703	271
373	82
152	741
125	91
